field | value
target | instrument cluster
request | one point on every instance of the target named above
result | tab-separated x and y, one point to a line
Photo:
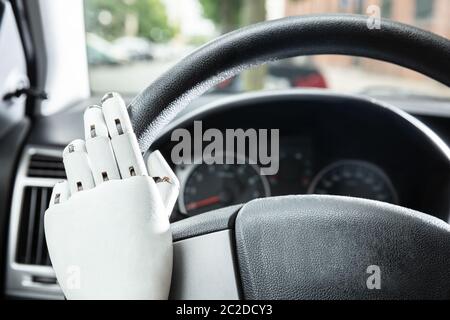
208	187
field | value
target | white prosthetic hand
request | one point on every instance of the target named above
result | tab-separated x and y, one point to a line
107	227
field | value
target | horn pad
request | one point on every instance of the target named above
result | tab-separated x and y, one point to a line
328	247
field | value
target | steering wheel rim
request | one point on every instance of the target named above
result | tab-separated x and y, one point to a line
388	238
394	42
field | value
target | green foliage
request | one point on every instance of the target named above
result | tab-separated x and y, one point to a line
224	13
151	15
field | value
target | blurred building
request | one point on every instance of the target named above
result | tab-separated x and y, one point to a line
432	15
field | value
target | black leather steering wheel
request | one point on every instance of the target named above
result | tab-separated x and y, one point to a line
226	56
306	246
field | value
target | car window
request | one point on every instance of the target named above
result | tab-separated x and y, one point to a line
131	42
13	71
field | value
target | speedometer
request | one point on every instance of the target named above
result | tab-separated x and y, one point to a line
354	178
207	187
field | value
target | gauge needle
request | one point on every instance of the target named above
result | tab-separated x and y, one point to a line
203	203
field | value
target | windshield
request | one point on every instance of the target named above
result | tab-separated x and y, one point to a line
131	42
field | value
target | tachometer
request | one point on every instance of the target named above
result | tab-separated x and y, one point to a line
354	179
208	187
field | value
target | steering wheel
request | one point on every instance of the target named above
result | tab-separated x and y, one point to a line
309	246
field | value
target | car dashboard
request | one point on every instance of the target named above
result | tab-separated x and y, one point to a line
328	144
325	147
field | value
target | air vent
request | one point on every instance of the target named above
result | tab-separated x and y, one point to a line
29	273
45	166
31	245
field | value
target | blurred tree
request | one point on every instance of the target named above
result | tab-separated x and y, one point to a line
112	19
254	11
229	15
224	13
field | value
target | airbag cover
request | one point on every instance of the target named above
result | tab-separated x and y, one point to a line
328	247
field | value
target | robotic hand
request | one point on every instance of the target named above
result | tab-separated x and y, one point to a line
107	226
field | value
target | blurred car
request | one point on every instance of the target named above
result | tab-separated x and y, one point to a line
102	52
290	73
304	74
135	48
